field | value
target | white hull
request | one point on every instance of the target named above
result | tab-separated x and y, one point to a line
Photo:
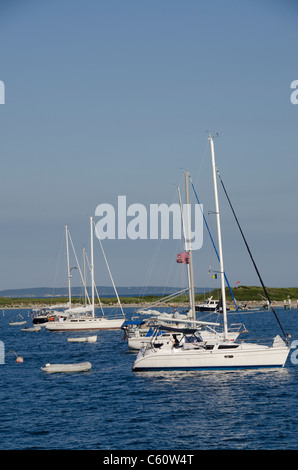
86	339
137	343
33	329
245	356
80	367
196	352
83	324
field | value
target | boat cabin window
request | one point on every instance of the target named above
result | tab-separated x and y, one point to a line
192	338
228	346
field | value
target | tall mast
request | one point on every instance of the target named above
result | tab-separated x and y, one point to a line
92	265
68	267
222	276
85	287
192	290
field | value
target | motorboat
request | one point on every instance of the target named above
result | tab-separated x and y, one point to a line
210	305
41	316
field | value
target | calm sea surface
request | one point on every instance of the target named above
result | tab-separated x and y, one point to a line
113	408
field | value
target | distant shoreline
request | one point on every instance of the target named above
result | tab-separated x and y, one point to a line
251	296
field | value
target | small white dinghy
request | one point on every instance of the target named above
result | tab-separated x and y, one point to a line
85	339
79	367
31	329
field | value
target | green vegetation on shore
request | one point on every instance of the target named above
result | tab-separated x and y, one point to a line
242	293
256	293
52	301
249	293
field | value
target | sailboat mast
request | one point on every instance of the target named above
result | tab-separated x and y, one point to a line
192	290
185	247
68	267
222	276
85	287
185	238
92	265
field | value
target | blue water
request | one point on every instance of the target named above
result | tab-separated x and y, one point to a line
113	408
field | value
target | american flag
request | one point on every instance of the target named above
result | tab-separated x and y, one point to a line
183	257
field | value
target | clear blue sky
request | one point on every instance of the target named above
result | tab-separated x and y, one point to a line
112	97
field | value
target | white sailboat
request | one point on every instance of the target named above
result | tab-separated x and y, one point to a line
194	353
79	320
138	338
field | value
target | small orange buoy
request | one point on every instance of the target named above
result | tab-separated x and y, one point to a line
18	358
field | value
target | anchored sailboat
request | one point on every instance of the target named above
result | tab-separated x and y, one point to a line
194	352
139	337
81	320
